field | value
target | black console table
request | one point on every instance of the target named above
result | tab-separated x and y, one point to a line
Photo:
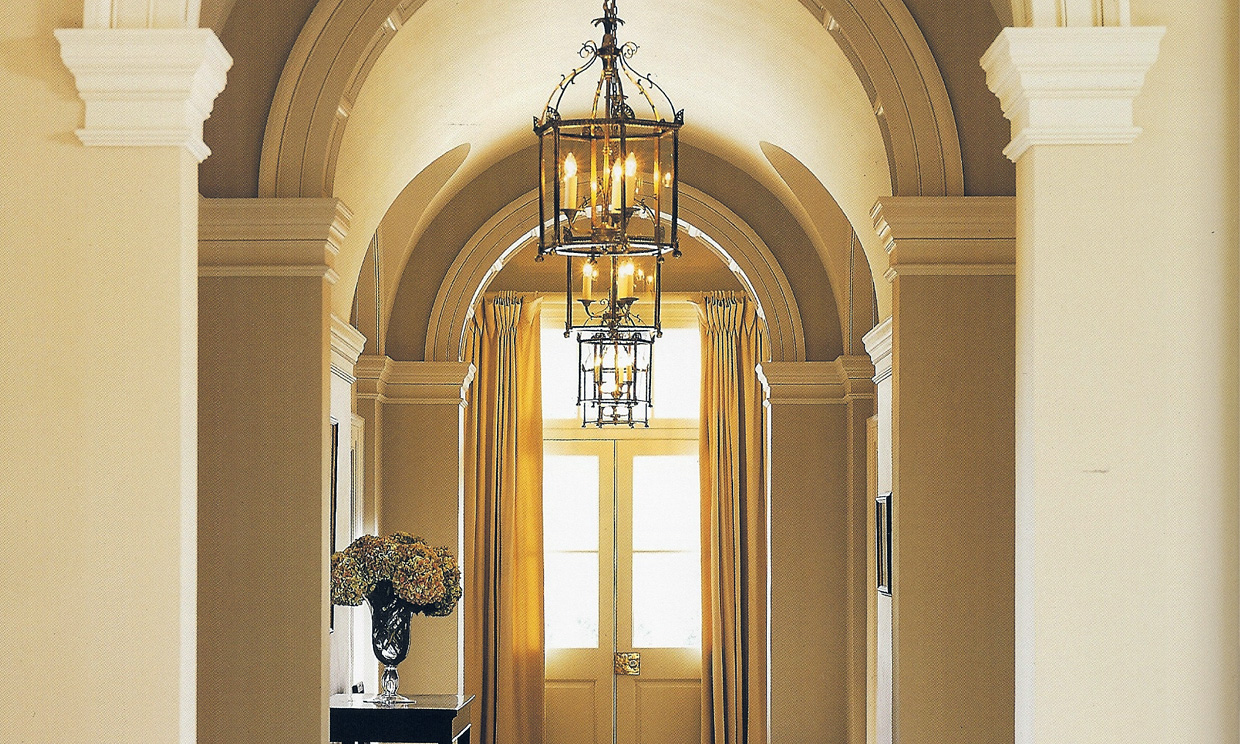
430	719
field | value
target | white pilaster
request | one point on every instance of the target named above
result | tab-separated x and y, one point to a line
145	87
1063	86
347	345
816	414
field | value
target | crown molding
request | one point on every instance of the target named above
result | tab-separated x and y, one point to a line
816	383
347	345
1070	85
389	381
878	342
949	235
145	87
271	237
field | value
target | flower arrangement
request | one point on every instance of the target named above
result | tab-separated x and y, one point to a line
427	578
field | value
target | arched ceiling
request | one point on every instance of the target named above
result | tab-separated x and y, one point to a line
472	73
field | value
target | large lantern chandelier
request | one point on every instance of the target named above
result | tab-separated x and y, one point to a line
607	198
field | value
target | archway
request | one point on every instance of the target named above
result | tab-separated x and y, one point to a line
726	234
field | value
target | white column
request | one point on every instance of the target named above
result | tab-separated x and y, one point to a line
98	378
346	346
266	274
1126	576
878	695
816	414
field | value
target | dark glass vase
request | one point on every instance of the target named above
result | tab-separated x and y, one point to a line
389	637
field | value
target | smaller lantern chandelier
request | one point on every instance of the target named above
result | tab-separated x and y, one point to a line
607	197
613	385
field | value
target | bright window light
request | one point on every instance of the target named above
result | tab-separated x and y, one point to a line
570	542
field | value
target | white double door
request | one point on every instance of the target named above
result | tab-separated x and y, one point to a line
623	591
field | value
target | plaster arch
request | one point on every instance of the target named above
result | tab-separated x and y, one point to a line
342	39
1064	12
341	42
141	13
736	244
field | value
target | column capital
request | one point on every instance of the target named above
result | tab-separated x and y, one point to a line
347	346
390	381
1070	85
271	237
947	235
878	342
145	87
816	383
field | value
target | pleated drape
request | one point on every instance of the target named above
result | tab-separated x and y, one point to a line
503	522
734	524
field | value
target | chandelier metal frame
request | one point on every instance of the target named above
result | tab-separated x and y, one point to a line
624	221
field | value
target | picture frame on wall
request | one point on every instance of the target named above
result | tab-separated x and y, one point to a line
882	542
331	542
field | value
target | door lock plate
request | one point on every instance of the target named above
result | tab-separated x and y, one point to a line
628	663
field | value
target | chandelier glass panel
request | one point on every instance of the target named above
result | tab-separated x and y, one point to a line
608	196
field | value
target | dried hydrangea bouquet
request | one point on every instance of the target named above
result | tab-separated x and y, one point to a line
397	576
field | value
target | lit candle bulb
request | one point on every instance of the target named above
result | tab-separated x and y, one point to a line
630	180
617	177
570	183
624	280
587	281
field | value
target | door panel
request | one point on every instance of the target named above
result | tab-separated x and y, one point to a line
658	534
579	488
648	558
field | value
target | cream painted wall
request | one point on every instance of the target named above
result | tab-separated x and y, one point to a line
98	344
421	495
264	401
953	413
809	544
1126	399
816	474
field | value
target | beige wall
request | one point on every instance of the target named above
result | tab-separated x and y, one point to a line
421	495
97	385
953	413
263	506
1127	307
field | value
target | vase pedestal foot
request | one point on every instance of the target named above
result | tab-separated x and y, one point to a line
389	683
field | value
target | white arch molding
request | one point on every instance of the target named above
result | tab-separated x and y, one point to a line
726	234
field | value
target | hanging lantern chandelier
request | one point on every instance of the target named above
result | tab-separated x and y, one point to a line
614	376
607	198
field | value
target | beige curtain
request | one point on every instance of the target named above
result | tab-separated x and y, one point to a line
503	522
734	544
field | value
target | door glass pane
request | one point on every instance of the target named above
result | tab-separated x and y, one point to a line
571	595
667	600
570	502
667	605
666	503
